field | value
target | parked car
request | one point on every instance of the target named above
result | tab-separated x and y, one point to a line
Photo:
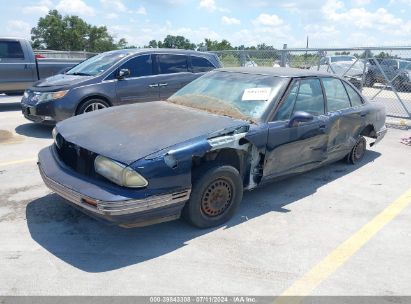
114	78
20	67
343	65
230	130
396	70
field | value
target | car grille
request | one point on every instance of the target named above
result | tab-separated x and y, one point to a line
75	157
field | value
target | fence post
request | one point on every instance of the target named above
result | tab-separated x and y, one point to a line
284	56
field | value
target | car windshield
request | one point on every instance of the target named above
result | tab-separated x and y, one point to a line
342	58
97	64
238	95
405	65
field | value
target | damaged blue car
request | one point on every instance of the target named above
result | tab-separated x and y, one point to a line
194	154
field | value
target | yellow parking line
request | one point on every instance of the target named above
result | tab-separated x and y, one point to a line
309	281
20	161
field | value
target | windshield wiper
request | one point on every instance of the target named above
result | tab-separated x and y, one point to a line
79	74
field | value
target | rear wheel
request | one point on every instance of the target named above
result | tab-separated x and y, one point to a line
92	105
216	193
358	151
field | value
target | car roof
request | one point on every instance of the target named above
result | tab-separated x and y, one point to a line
279	72
161	50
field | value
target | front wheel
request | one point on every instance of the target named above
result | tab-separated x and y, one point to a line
92	105
216	194
358	151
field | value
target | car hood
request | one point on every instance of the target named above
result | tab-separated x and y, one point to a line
129	133
61	81
348	68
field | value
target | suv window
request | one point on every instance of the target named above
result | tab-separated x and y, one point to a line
11	50
172	63
139	66
310	97
200	64
356	99
337	97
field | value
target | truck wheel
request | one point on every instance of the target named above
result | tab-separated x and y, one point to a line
358	151
216	193
92	105
369	80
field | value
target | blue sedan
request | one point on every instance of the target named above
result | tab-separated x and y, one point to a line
194	154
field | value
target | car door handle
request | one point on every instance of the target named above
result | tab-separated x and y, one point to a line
154	85
322	127
163	84
363	114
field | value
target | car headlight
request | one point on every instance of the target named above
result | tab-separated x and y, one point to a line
118	173
47	96
26	94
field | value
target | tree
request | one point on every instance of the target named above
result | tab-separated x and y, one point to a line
214	45
71	33
153	44
178	42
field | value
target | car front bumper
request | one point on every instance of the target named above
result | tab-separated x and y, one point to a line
49	112
102	203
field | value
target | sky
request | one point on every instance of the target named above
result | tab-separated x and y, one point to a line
327	23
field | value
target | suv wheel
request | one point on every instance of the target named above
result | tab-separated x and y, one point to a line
92	105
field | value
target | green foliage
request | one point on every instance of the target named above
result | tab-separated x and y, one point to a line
178	42
71	33
214	45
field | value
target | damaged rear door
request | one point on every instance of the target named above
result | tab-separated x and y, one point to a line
297	148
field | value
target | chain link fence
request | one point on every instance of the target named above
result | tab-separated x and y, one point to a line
381	73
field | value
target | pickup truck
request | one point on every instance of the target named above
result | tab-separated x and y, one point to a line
398	71
19	67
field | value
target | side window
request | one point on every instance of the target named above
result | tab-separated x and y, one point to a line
11	50
200	64
172	63
139	66
286	108
310	97
356	99
337	97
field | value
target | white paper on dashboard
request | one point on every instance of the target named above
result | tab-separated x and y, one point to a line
256	94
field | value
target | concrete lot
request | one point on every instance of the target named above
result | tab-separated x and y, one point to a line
279	233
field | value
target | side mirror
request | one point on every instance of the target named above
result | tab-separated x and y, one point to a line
300	116
123	73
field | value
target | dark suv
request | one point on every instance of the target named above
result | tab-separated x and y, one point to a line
114	78
398	71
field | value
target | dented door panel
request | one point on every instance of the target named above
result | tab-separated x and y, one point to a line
292	149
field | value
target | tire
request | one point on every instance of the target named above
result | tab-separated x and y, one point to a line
369	80
358	151
399	85
216	194
92	105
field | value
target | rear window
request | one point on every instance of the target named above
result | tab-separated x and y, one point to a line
11	50
172	63
200	64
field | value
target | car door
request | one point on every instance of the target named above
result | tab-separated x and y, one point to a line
296	148
17	71
345	121
173	73
141	85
